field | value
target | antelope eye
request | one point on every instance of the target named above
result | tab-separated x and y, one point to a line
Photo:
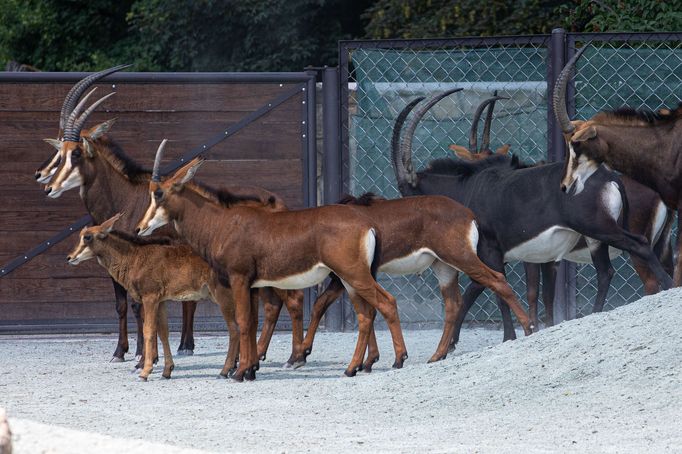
76	154
158	194
87	238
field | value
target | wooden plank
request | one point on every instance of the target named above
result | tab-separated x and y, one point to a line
53	265
150	97
92	310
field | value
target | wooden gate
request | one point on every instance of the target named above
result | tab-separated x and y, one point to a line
275	151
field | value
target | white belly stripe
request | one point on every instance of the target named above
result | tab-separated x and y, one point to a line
548	246
414	263
313	276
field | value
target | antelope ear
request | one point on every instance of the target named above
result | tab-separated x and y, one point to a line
99	130
186	172
55	143
503	150
108	225
584	134
87	145
462	152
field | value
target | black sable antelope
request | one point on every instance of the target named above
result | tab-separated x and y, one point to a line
418	233
522	214
647	215
287	249
644	145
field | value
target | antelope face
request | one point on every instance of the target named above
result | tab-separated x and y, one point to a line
156	215
67	175
87	239
49	167
82	251
579	164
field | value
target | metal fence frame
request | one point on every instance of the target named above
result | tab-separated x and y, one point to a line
560	46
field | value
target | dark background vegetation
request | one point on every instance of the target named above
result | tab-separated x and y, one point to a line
280	35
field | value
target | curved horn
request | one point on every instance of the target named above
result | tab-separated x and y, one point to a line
77	91
157	161
398	166
406	145
77	110
485	145
559	96
73	129
473	132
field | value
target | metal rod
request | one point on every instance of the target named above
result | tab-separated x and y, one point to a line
331	170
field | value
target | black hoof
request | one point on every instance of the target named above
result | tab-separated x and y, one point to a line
399	363
185	352
307	352
238	377
168	375
250	373
298	364
116	359
120	353
231	372
351	373
256	367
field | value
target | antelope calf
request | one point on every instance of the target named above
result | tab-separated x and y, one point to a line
418	233
289	250
155	270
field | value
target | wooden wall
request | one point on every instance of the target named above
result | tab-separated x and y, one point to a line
51	295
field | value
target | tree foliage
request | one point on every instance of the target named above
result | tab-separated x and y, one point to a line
176	35
62	35
280	35
622	15
442	18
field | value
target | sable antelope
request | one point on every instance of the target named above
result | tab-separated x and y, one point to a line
111	182
155	270
418	233
286	249
642	144
533	221
647	215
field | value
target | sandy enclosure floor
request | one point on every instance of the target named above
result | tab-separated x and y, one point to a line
606	383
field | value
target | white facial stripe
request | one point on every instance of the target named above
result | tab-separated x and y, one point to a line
52	167
74	180
84	254
68	178
586	167
569	178
159	219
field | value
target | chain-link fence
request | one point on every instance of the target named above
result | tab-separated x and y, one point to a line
635	70
386	75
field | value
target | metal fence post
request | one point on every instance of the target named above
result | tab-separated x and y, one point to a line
331	169
565	288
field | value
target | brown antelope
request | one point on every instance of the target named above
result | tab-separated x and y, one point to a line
287	249
111	182
153	271
646	215
418	233
642	144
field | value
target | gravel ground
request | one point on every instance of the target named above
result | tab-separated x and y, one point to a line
609	382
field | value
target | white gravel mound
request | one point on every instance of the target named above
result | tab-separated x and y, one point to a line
610	382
